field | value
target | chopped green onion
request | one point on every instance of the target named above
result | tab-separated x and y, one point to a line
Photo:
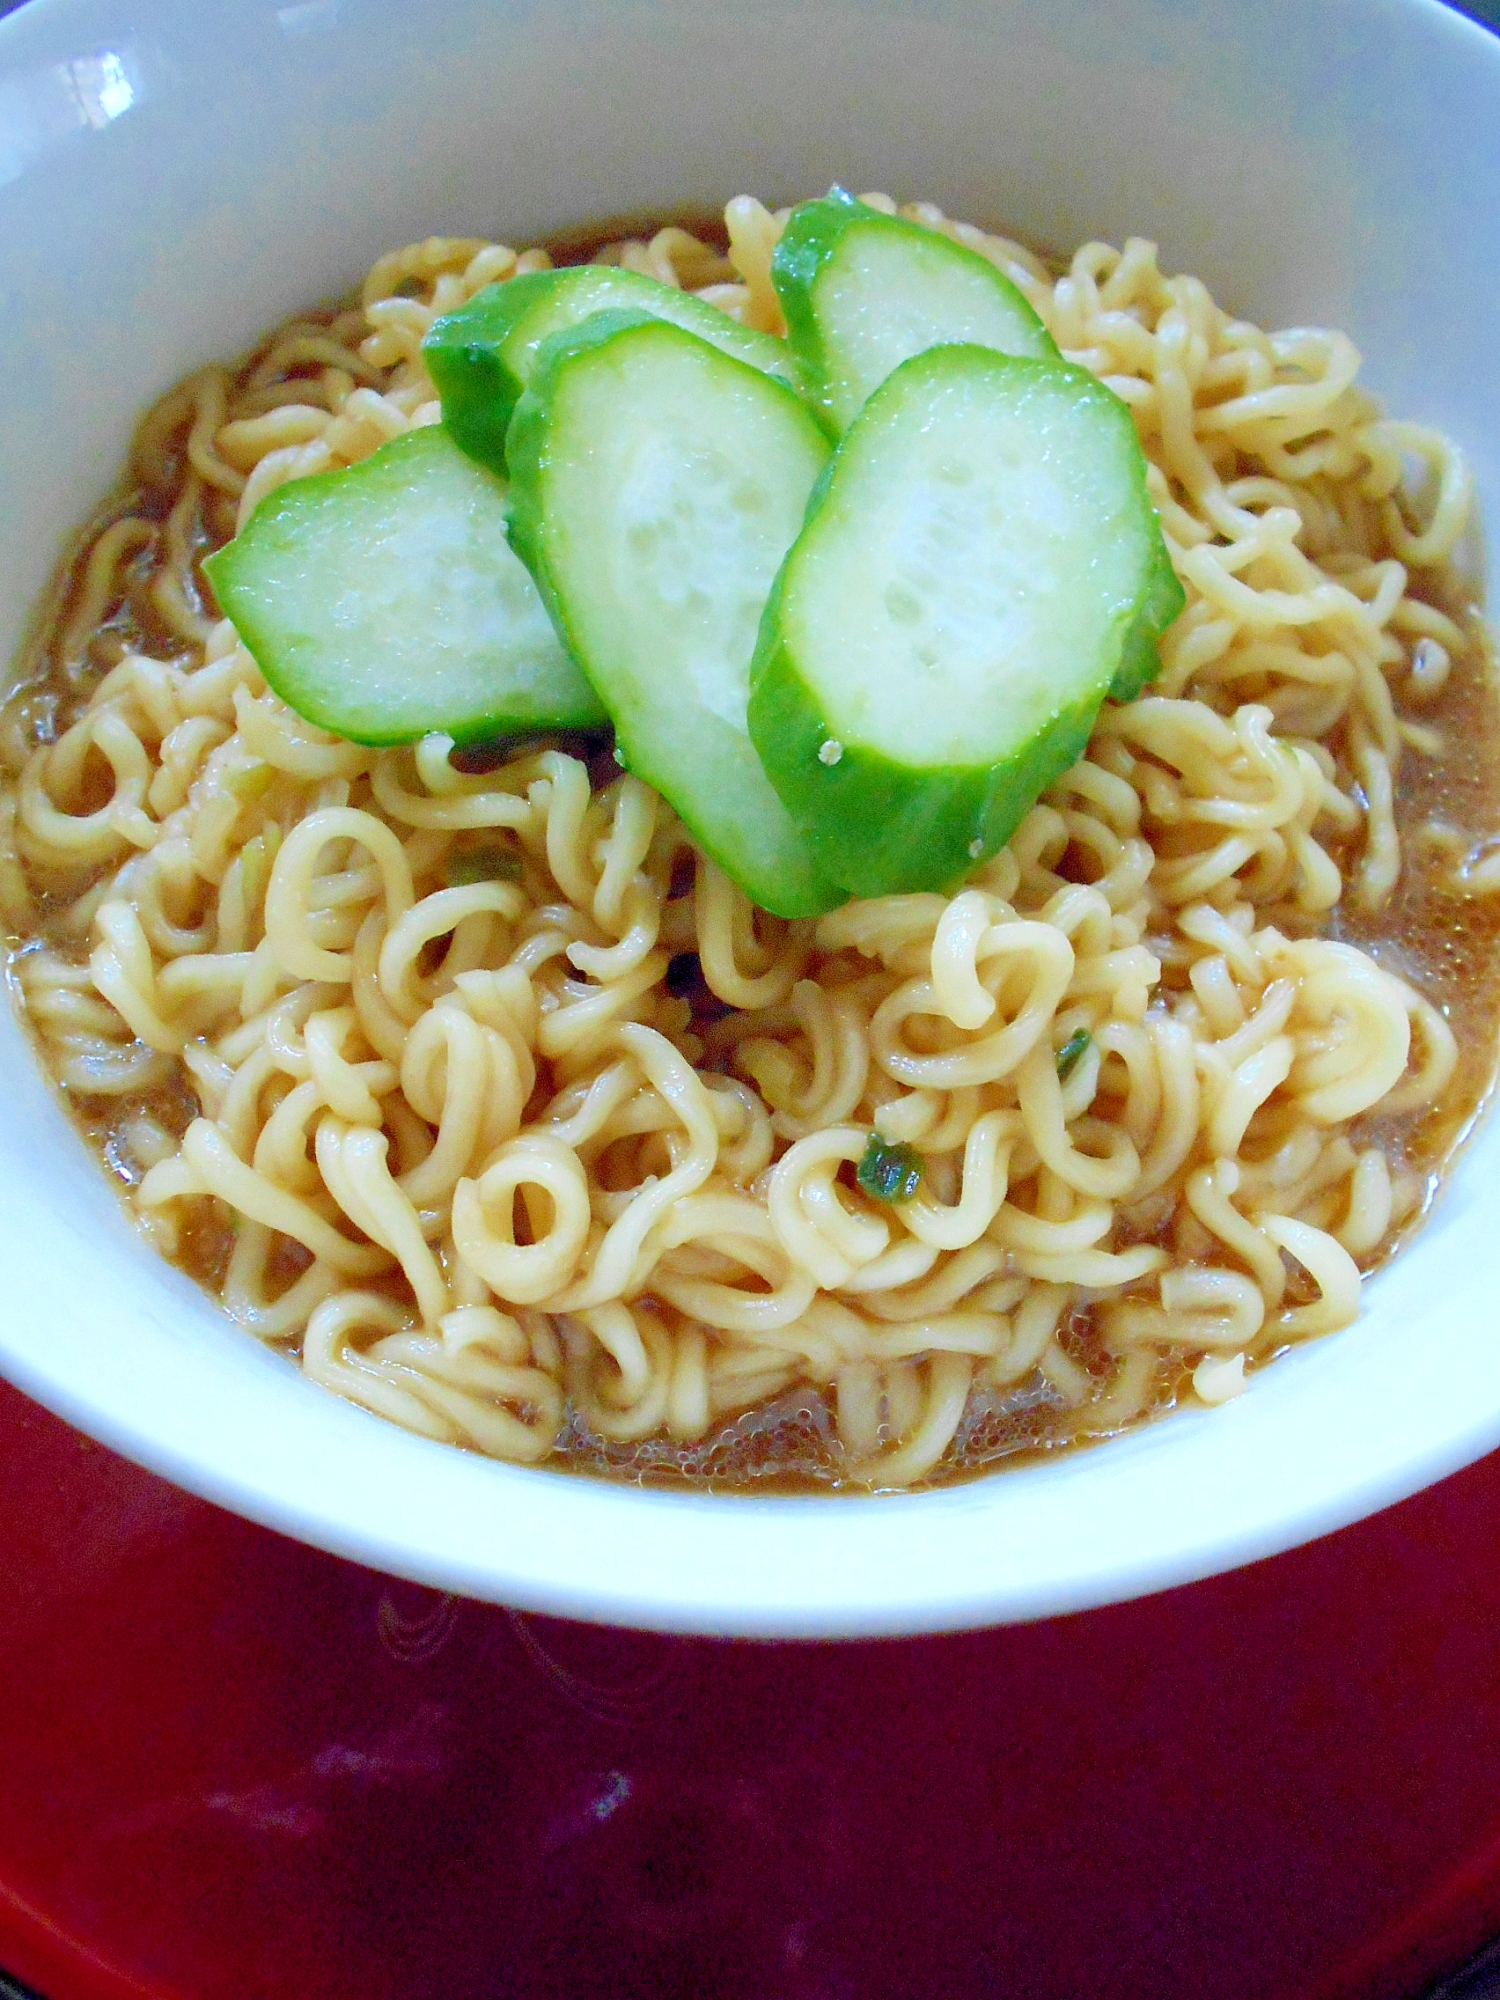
1071	1053
889	1172
483	864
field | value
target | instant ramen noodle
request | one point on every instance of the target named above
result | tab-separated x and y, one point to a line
466	1080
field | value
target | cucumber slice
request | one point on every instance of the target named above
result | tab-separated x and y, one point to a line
945	628
384	601
656	485
862	292
481	357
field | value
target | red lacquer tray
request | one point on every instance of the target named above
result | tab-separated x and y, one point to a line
231	1767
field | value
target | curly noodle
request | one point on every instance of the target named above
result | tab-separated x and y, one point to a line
472	1084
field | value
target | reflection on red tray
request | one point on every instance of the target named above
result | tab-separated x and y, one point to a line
231	1767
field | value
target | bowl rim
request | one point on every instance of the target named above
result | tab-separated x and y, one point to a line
861	1566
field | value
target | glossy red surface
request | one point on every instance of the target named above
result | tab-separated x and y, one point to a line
231	1767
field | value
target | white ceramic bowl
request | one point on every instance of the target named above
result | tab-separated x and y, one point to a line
176	177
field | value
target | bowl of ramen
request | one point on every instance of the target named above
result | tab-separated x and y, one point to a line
781	917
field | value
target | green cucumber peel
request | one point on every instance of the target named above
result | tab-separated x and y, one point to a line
863	291
942	634
481	356
1161	603
656	485
383	602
